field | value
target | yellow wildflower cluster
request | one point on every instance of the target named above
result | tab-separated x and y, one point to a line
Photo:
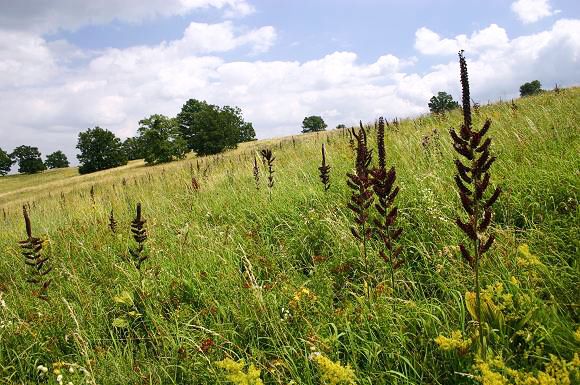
525	258
301	296
236	374
496	295
577	334
557	372
455	342
333	373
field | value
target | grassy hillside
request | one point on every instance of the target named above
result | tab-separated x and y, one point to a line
275	277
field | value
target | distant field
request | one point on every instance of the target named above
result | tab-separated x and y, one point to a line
276	278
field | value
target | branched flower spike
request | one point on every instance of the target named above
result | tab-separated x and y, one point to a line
140	236
269	158
112	222
324	170
256	171
472	180
37	264
362	194
384	188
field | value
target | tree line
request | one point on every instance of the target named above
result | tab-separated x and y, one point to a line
201	127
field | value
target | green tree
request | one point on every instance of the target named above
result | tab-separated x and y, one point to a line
531	88
100	150
441	103
340	126
161	139
312	124
28	158
133	148
56	160
5	162
247	133
209	129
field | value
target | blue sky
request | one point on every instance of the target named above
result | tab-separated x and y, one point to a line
66	65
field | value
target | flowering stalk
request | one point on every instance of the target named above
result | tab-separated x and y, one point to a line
362	194
112	222
383	182
324	170
31	250
472	180
140	236
256	171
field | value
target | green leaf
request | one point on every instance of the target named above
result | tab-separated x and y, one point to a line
121	322
124	298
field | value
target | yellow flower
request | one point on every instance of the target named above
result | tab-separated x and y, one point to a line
333	373
236	374
577	334
302	295
526	258
454	342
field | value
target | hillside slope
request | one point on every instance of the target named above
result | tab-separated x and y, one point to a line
273	276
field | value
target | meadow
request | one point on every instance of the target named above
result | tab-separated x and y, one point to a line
236	270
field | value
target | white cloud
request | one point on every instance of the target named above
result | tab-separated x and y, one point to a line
118	87
428	42
49	16
530	11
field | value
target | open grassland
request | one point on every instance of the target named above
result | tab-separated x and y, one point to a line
275	277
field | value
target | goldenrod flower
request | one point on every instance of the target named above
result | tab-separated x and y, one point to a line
333	373
236	372
455	342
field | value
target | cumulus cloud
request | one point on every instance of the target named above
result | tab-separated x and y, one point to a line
115	88
530	11
493	37
49	16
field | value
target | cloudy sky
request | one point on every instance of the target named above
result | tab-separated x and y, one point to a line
67	65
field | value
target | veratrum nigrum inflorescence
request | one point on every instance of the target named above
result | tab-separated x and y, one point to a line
472	180
140	236
36	263
324	170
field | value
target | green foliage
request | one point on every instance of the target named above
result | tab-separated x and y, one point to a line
100	150
247	133
313	124
56	160
5	162
210	129
442	102
28	158
133	148
161	140
531	88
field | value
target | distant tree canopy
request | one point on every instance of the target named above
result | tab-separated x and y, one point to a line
99	150
441	103
5	162
312	124
28	158
210	129
133	148
340	126
531	88
56	160
161	139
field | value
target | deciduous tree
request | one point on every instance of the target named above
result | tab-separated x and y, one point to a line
28	158
100	150
56	160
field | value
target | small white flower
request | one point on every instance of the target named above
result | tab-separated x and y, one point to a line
59	378
71	370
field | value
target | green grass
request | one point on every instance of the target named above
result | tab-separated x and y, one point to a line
192	289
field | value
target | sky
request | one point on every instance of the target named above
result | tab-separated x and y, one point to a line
69	65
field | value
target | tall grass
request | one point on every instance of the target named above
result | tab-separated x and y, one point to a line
196	309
